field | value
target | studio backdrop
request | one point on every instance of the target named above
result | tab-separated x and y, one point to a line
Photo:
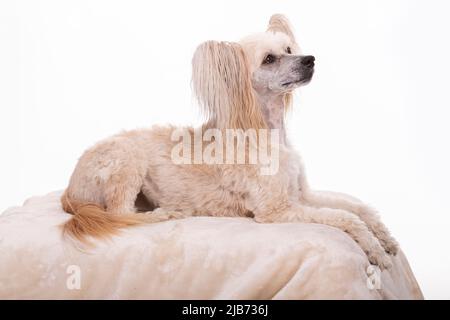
374	122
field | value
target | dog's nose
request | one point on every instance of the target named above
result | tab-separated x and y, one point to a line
308	61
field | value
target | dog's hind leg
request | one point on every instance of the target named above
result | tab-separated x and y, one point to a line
121	191
98	221
121	195
161	215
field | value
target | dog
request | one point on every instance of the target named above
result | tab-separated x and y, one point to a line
245	85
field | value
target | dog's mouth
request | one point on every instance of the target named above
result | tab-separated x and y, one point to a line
293	83
306	78
297	82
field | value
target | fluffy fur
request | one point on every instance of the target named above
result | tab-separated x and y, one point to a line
245	85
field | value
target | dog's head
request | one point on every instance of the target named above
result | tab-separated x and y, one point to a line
275	61
228	77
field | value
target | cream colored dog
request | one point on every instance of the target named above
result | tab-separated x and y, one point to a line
243	86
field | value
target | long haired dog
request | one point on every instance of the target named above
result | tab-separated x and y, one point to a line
242	86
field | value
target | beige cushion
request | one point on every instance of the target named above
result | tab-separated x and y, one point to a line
195	258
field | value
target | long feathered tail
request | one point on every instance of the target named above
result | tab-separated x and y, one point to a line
92	220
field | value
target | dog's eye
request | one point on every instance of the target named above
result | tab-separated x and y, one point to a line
269	59
288	50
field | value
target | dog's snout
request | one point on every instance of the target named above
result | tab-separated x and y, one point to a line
308	61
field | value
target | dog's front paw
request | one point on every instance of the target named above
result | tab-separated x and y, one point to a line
372	219
380	259
390	245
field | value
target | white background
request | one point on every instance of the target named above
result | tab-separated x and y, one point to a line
373	123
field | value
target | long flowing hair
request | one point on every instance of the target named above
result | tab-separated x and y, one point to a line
222	85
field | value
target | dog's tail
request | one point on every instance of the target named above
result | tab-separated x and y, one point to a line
92	220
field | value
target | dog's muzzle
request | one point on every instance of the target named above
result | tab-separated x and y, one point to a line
305	69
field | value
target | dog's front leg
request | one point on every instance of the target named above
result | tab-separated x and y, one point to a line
367	214
341	219
336	200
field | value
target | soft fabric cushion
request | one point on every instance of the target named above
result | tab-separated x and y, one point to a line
195	258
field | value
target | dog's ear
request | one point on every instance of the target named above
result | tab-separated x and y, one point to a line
222	84
279	23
